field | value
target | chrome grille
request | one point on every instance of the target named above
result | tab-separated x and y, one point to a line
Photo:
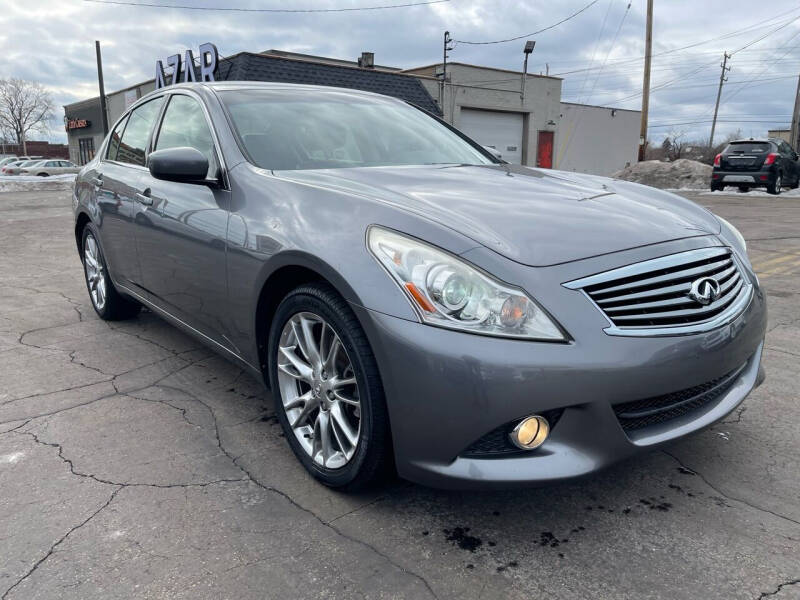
653	297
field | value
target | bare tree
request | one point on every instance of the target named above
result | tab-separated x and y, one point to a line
677	144
25	106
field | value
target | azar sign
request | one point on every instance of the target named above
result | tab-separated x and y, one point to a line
209	57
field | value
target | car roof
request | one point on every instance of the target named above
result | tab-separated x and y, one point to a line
219	86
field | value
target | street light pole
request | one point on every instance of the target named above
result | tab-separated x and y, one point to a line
103	108
529	45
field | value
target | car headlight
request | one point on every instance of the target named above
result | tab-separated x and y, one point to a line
731	234
448	292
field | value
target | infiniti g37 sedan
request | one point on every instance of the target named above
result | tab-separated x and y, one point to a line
411	301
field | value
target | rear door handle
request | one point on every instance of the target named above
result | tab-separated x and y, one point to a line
144	198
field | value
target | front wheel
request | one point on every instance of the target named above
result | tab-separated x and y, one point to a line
775	188
43	174
327	389
107	302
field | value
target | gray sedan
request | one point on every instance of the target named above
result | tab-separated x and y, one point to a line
414	303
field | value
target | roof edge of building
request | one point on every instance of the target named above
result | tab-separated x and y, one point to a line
463	64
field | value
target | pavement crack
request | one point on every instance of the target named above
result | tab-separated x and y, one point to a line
123	484
61	540
779	588
328	524
728	496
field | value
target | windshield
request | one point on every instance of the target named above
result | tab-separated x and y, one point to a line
747	148
291	130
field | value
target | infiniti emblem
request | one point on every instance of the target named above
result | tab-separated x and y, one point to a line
704	290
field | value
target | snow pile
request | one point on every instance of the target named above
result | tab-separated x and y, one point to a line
786	192
32	183
681	174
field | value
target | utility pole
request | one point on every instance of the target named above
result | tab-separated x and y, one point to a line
794	137
722	79
648	51
446	49
103	109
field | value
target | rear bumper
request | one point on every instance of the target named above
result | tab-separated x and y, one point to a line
744	178
445	390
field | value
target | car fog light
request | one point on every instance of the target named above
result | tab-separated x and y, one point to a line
530	433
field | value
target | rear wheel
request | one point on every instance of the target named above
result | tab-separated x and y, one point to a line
716	187
107	302
43	174
775	188
327	389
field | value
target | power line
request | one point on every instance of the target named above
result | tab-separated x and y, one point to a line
695	44
718	121
265	10
519	37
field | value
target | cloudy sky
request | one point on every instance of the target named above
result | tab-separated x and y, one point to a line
598	52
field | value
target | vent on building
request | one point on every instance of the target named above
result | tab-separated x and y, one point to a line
367	60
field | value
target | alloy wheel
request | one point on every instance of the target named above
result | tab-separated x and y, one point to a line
95	272
319	391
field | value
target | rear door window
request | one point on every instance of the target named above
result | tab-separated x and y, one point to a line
133	145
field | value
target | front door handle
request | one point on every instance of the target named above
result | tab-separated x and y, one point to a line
144	198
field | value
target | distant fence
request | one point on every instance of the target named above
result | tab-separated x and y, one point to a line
45	149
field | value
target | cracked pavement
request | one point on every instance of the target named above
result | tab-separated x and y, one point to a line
134	462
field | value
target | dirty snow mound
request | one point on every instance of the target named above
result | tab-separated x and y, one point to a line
680	174
24	183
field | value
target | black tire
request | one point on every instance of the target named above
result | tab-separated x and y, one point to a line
372	455
775	188
716	187
116	307
744	189
43	174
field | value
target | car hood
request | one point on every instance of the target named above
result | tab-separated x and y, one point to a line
532	216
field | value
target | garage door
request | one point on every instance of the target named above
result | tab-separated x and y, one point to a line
499	130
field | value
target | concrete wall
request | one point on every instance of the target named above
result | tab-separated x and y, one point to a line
471	86
781	134
596	139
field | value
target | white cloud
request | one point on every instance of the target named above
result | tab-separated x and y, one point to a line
52	41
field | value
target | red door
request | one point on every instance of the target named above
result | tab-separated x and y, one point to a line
544	150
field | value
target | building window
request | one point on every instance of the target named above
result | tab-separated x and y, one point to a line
85	150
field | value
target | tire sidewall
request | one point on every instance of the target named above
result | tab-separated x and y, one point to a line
303	301
87	231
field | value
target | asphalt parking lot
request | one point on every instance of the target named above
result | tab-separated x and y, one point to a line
136	463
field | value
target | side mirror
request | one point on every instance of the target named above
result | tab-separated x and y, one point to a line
187	165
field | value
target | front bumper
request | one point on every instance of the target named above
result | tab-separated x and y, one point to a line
446	389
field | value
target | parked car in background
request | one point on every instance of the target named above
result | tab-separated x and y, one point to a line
746	164
9	165
17	167
412	301
8	159
46	168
